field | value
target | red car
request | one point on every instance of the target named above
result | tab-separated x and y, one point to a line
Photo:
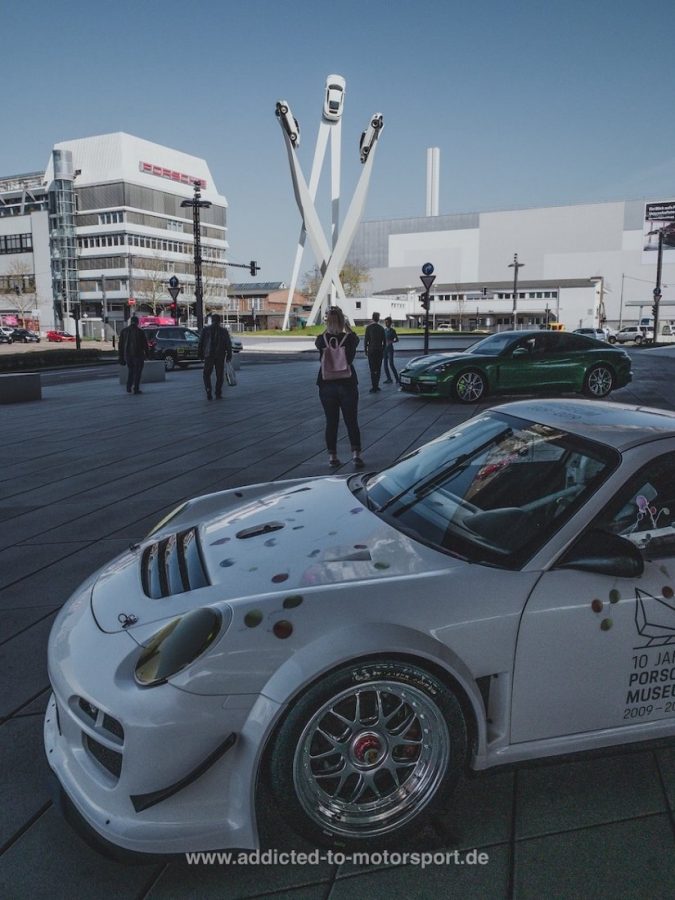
60	336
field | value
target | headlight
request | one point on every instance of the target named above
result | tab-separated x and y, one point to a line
167	518
177	645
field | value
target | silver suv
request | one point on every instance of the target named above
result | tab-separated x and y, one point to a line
636	333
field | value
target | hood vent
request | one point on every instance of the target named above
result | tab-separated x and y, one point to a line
173	565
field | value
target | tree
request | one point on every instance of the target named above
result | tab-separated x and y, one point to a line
353	276
151	287
18	289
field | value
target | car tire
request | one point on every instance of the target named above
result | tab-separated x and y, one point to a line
169	362
611	339
283	110
470	386
338	780
599	382
638	340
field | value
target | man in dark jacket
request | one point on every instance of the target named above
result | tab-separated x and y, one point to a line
215	347
374	346
132	351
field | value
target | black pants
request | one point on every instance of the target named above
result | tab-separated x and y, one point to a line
389	362
211	363
134	371
336	397
375	363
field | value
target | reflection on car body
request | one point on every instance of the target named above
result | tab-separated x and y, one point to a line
248	646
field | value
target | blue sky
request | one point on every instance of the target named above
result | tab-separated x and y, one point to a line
531	103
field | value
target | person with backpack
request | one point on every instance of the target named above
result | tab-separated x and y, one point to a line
338	384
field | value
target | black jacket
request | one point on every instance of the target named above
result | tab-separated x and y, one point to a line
133	344
215	343
375	338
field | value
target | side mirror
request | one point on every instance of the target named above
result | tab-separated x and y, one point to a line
604	554
521	351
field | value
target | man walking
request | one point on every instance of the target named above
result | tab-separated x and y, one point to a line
132	351
374	346
215	347
391	338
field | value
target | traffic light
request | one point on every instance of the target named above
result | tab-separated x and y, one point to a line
424	300
654	311
172	310
254	268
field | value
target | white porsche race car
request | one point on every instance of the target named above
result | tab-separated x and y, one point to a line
351	644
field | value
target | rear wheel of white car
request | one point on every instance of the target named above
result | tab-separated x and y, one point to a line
638	339
470	386
598	382
368	754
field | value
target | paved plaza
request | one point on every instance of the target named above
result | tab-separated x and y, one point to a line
89	469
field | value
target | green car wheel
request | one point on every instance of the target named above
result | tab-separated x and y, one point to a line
598	382
470	386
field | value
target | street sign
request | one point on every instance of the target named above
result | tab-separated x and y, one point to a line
173	282
428	269
174	291
427	280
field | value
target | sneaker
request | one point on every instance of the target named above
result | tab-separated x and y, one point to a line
128	390
219	396
138	391
373	390
387	381
334	462
358	462
209	396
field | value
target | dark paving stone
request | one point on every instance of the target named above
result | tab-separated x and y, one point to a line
23	663
587	792
13	621
49	861
23	774
17	560
632	859
448	879
666	763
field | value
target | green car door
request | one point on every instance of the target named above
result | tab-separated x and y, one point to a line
531	364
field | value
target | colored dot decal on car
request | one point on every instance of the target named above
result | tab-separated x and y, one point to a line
360	546
271	542
220	541
297	527
314	553
614	596
253	569
253	618
281	576
596	605
381	565
282	629
356	510
238	494
293	601
606	624
226	563
667	592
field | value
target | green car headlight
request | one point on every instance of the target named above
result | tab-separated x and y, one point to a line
177	645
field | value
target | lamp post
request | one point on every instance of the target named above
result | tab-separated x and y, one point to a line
197	203
515	265
599	281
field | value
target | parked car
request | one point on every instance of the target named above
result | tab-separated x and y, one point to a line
517	361
498	595
289	122
177	345
637	334
444	326
24	336
370	135
598	333
60	336
335	96
5	338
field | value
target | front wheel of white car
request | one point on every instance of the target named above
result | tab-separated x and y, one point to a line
368	754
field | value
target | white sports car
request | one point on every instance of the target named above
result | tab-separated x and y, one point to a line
370	135
334	98
288	121
351	644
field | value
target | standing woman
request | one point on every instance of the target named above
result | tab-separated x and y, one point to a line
338	384
390	338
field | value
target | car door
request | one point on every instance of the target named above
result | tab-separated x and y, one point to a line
596	651
528	365
191	346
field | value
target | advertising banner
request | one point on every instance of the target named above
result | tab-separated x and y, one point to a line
659	216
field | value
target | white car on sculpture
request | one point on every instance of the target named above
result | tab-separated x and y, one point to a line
370	135
335	97
349	645
289	122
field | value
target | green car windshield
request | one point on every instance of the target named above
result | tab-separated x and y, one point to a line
493	345
492	490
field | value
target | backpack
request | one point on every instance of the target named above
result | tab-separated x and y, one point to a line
334	363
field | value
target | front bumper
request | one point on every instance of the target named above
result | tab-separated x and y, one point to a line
141	766
427	388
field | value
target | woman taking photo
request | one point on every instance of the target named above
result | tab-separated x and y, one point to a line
338	384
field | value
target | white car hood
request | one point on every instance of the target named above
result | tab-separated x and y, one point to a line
313	534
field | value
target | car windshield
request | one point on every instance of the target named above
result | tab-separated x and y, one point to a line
492	490
493	345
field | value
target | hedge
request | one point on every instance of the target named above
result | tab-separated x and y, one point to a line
47	359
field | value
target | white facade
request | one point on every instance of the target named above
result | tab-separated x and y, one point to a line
591	255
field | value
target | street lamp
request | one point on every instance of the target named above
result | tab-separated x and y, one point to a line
197	203
515	265
599	280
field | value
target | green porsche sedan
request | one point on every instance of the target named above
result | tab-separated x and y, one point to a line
520	361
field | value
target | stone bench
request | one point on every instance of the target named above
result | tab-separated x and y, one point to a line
153	371
20	386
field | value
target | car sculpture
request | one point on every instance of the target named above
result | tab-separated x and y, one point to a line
370	135
335	97
520	361
289	122
348	646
